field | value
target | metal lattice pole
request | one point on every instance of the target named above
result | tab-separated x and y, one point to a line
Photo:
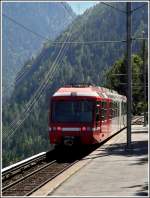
144	77
129	74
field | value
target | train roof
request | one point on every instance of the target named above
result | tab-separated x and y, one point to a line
89	91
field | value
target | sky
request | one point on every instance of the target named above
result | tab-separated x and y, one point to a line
80	7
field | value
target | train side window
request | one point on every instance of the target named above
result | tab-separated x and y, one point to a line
110	110
97	111
102	111
117	109
125	107
114	109
105	110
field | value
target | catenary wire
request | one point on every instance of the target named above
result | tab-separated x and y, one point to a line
31	102
139	7
17	120
120	10
29	105
27	111
40	87
24	27
21	75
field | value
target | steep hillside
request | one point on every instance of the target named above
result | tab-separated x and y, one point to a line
20	23
78	62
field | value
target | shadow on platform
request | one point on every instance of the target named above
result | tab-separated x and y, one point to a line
138	149
143	191
139	131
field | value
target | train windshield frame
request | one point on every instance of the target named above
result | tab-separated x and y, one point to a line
72	111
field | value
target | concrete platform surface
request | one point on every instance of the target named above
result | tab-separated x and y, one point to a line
112	170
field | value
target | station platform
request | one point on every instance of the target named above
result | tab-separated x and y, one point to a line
111	170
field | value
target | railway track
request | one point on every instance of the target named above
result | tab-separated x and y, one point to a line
27	177
24	183
34	180
22	168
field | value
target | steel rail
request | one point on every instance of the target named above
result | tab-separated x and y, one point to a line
21	167
28	175
42	184
49	175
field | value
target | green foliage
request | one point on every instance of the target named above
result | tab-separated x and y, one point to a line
116	79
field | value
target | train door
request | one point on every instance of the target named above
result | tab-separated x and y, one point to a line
124	112
114	122
97	128
109	116
104	119
120	114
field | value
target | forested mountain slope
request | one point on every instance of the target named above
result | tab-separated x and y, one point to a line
78	62
26	26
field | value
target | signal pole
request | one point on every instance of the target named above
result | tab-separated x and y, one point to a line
129	73
144	76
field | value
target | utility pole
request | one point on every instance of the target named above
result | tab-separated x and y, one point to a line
144	76
129	73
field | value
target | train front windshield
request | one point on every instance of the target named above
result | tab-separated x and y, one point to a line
72	111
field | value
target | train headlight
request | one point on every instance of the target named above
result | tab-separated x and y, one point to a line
83	128
58	128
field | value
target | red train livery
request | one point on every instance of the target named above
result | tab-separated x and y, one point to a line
84	114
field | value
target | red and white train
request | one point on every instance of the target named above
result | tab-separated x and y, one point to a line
83	114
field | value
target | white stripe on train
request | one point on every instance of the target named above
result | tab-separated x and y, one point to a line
75	129
76	94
